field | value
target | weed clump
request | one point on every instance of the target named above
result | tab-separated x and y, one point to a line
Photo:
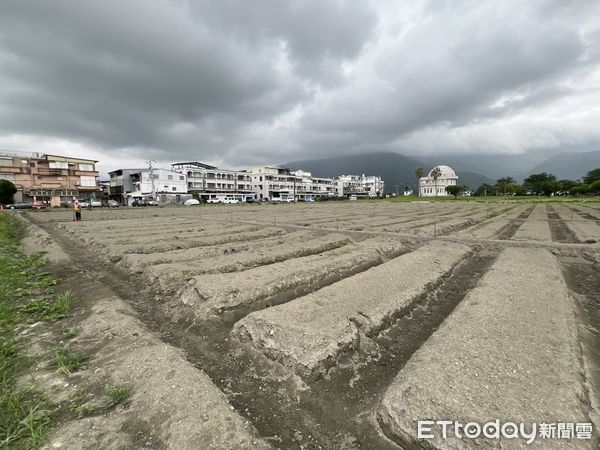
67	361
117	395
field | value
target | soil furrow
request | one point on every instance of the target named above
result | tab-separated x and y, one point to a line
559	230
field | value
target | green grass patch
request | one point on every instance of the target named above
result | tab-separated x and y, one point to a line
49	310
67	361
26	296
80	406
116	395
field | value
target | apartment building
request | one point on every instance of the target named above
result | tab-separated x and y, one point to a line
209	182
162	185
359	185
53	179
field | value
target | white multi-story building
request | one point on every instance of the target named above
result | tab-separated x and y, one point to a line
431	187
280	184
359	185
274	183
209	182
164	186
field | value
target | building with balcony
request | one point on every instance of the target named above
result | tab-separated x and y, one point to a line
206	181
280	184
162	185
359	186
53	179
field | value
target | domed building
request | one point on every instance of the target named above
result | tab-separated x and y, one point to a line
430	187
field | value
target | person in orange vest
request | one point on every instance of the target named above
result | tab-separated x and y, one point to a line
77	210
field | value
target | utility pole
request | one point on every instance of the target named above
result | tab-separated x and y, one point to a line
151	170
397	190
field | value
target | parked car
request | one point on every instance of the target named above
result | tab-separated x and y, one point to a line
20	205
112	204
38	205
191	202
95	203
353	197
214	200
231	201
152	202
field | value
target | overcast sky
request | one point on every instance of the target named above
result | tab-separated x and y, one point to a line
241	83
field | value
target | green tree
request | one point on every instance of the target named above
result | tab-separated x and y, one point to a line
595	187
485	190
580	189
566	185
435	174
505	185
7	192
455	189
592	175
419	173
540	183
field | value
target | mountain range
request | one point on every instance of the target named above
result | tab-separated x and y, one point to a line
398	170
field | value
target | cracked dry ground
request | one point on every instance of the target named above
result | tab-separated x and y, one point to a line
331	325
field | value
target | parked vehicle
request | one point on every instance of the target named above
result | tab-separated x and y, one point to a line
191	202
20	205
95	203
231	201
38	205
144	202
353	197
214	200
112	204
282	199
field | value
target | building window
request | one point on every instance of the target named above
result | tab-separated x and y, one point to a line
58	165
86	167
169	177
173	188
181	177
87	181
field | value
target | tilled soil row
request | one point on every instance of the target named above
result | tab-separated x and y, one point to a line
136	262
559	229
309	333
509	230
168	273
230	297
509	351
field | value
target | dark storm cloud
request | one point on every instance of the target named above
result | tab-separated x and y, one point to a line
244	83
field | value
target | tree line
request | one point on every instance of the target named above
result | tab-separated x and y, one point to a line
543	184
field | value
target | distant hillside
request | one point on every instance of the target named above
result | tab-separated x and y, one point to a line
494	166
395	169
473	180
569	166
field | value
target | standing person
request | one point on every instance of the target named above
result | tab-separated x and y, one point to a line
77	210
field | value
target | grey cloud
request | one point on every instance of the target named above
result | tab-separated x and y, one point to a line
270	81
